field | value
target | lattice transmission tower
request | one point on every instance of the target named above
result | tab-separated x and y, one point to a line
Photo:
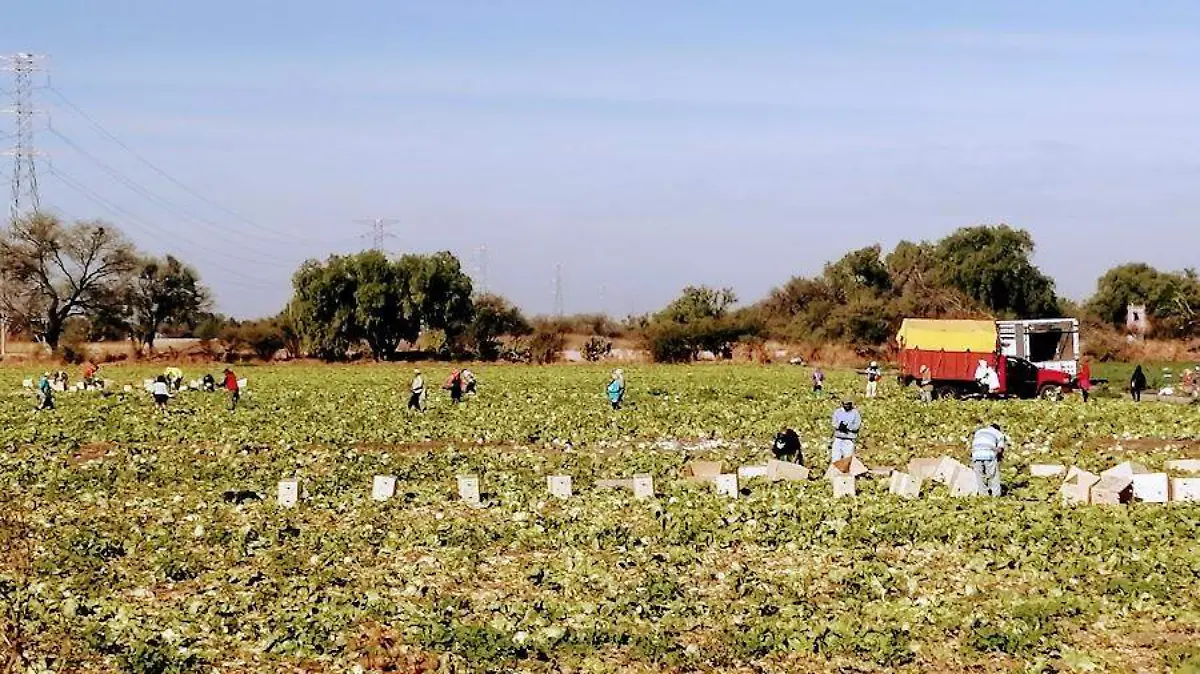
25	197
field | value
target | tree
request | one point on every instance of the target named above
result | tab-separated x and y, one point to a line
697	303
993	266
1171	299
163	291
366	298
55	271
495	317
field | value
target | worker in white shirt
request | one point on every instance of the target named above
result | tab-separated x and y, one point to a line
873	376
987	448
846	423
416	401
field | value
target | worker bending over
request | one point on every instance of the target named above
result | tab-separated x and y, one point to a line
987	448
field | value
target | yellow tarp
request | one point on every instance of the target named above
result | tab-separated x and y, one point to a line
948	335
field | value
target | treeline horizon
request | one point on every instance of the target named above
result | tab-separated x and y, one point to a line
67	284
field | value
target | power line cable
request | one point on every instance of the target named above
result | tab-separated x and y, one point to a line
145	228
275	237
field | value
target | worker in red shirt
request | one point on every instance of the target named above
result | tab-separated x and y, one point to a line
1085	380
231	385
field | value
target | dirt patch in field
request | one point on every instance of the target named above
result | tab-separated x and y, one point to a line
90	452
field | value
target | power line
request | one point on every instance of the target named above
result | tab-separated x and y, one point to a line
268	235
149	230
134	186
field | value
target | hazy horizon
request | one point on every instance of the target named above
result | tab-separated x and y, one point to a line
643	148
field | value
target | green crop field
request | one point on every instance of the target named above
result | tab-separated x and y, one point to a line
131	541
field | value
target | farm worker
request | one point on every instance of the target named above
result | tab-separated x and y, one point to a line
61	379
846	423
468	379
873	379
235	390
208	383
162	393
926	384
616	389
818	381
89	374
45	393
987	378
416	401
1085	380
455	385
787	447
1137	383
987	448
174	377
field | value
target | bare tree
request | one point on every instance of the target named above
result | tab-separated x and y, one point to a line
56	271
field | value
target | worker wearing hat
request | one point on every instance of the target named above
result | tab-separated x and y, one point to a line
873	376
416	401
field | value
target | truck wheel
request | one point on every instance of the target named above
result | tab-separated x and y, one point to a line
945	391
1051	392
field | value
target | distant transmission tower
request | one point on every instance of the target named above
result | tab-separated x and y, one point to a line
558	291
25	198
378	232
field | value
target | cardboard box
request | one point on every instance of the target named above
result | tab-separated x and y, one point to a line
1047	469
643	487
383	487
748	472
1185	489
843	485
1113	490
923	469
1126	469
947	470
559	486
468	489
1077	488
727	484
704	470
786	470
1184	465
904	485
1152	487
849	466
966	483
289	493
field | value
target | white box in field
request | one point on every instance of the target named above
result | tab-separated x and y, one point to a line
843	486
747	472
1185	489
289	492
786	470
966	483
923	469
28	383
1047	469
1113	490
1125	469
1077	488
383	487
127	389
1152	487
727	484
468	489
1184	465
904	485
947	470
643	487
559	486
241	384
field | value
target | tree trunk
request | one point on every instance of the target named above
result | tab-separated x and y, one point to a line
54	329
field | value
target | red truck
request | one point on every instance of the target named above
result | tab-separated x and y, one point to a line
952	351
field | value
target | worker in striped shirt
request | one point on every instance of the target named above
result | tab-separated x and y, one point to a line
987	448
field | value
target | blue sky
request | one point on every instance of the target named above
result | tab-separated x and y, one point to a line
642	145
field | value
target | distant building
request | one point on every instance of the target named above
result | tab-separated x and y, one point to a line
1137	323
